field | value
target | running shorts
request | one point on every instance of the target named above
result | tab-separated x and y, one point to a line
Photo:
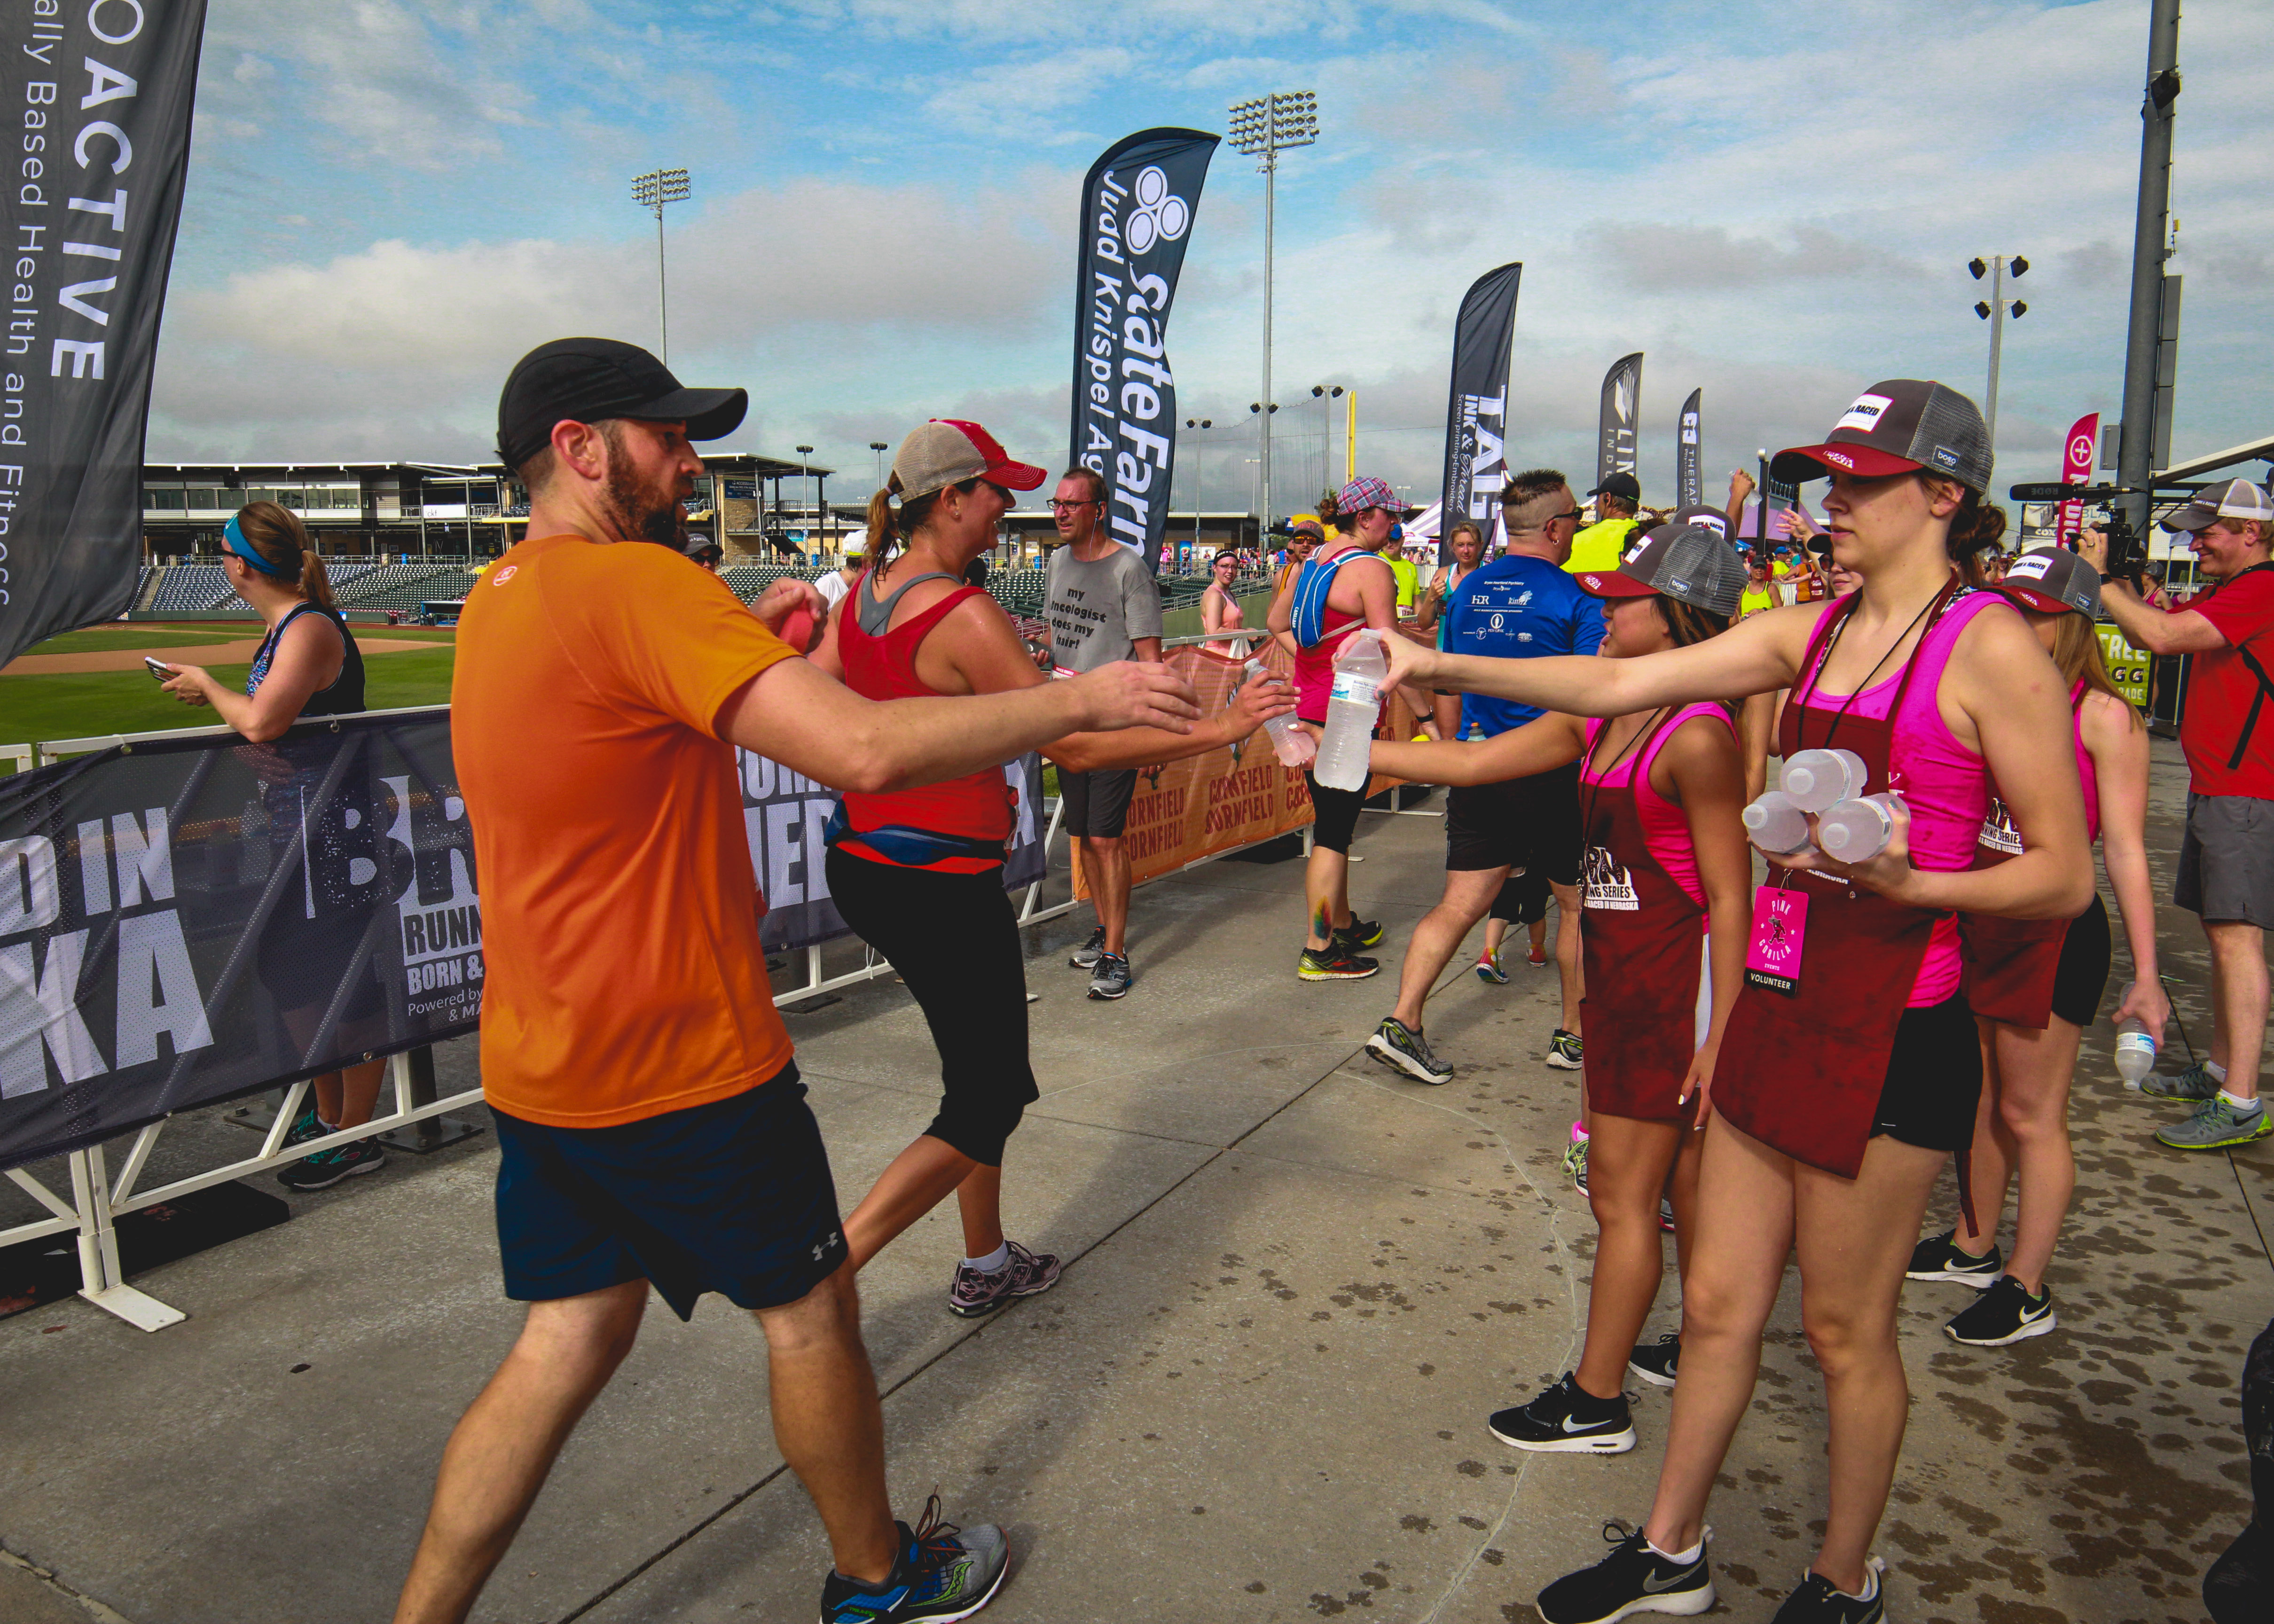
1934	1079
2082	975
1529	824
2226	859
1522	899
1334	814
1097	803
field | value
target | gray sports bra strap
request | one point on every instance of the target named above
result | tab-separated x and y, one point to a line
877	617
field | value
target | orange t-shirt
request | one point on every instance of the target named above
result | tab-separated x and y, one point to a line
623	976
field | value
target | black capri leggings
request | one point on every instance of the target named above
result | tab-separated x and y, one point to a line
954	940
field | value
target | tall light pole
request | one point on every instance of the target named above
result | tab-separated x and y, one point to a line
1326	398
805	484
1992	310
1261	127
1199	477
652	191
879	447
2143	352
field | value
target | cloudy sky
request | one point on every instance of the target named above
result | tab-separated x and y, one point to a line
390	202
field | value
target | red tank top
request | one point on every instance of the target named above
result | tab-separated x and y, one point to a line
980	806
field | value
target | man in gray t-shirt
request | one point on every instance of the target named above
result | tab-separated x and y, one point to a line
1101	604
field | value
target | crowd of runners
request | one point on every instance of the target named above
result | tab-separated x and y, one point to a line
1773	1071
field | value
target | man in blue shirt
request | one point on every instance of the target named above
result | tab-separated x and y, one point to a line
1520	605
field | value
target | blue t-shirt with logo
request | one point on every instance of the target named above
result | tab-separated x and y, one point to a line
1518	607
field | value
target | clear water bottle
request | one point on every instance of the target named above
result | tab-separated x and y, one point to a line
1776	824
1857	831
1818	781
1290	743
1361	671
2135	1047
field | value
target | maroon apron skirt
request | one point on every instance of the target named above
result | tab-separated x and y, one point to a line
2010	964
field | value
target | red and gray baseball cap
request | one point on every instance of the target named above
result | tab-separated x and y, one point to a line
1367	492
948	451
1895	427
1692	563
2232	498
2053	581
1705	518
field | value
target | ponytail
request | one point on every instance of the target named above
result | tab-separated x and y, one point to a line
314	584
890	530
1976	525
277	535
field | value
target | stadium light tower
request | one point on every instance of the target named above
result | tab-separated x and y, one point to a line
1262	127
1992	310
652	191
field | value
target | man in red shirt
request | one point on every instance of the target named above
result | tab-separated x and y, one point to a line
2226	859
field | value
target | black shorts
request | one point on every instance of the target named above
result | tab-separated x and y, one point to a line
1934	1079
1529	824
2083	977
1334	814
1097	803
732	1197
1522	899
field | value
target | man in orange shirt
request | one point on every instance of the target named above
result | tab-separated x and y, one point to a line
652	1127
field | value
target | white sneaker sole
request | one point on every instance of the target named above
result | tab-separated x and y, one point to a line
1649	1376
1688	1603
1980	1283
1594	1443
1383	1050
1562	1063
2035	1327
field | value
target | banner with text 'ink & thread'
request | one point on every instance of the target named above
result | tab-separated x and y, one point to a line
1476	411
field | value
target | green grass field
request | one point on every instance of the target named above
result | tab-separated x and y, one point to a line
129	701
104	639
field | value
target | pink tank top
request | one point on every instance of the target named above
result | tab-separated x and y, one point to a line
1665	826
1314	667
1946	785
1998	831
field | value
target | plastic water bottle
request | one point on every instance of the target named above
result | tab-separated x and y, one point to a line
1857	831
1776	824
1290	743
1818	781
1360	670
2135	1048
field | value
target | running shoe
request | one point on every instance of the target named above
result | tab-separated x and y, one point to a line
1398	1046
2003	1314
1575	1163
1110	979
1939	1257
1633	1578
1567	1420
1359	932
1336	963
2194	1083
1564	1050
1818	1601
1654	1362
1536	956
1088	954
307	1126
327	1167
976	1294
943	1573
2216	1124
1488	969
1665	1216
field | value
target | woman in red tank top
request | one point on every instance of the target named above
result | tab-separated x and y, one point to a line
917	873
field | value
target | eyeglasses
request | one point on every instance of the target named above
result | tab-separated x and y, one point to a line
1575	515
1057	506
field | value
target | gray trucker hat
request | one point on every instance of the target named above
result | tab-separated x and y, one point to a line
1690	563
1893	427
2053	581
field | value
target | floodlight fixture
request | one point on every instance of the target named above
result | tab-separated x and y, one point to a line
652	191
1262	127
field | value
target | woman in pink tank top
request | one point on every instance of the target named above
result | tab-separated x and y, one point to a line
2035	985
1837	1099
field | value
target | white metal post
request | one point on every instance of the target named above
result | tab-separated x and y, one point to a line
101	1280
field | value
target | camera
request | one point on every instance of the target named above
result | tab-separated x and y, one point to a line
2127	550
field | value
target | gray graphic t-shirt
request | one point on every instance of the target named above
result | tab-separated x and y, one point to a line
1097	610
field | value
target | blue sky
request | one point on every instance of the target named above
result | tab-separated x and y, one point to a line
390	202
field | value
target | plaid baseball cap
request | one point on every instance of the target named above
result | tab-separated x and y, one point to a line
1895	427
1367	492
2233	498
948	451
2053	581
1692	564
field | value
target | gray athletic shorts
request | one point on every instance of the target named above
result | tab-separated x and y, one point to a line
2226	859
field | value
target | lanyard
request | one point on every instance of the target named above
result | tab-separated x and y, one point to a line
1929	614
1594	787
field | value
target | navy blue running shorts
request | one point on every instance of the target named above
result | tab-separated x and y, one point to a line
733	1197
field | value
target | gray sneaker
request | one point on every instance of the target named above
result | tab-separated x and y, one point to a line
1086	955
1110	979
1397	1045
974	1296
2217	1125
2194	1084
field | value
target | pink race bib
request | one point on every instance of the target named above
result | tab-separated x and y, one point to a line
1779	932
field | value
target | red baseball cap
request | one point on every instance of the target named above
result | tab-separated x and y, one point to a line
947	451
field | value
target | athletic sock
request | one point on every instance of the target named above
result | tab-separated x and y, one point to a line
1683	1556
2243	1107
994	1263
2217	1072
1870	1585
1588	1406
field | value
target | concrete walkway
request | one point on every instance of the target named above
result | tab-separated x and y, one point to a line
1295	1288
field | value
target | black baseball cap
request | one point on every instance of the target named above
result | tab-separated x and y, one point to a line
1624	486
591	380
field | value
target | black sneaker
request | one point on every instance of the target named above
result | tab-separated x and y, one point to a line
1565	1420
1564	1050
1817	1601
1110	978
1359	932
1633	1578
943	1573
974	1295
1654	1362
1334	963
1936	1258
306	1128
1083	957
2005	1314
327	1167
1398	1046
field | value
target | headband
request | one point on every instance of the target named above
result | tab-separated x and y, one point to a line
233	534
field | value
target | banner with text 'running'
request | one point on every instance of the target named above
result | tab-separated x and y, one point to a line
103	91
1137	210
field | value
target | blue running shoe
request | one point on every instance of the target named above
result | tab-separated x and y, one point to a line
944	1573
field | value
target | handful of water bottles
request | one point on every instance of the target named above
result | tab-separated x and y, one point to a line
1851	826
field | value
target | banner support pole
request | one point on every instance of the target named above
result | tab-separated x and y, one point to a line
101	1281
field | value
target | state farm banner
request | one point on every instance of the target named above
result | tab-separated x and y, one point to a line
103	90
1615	431
1476	413
185	921
2078	453
1137	207
1688	477
784	814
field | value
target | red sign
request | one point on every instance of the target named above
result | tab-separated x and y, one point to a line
2077	458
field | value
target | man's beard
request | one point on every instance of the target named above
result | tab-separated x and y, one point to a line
641	515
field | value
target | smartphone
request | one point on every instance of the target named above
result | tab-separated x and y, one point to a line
160	673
